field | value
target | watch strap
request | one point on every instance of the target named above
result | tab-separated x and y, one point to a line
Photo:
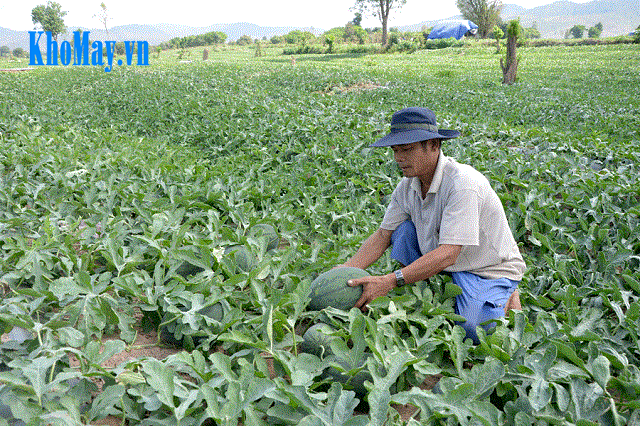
399	278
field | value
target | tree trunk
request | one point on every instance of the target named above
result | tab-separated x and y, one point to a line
510	66
384	33
384	14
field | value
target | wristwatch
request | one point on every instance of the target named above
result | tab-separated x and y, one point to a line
399	278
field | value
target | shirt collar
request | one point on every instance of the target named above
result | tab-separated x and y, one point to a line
437	177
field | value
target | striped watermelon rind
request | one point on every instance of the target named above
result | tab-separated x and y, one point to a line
244	259
331	289
317	340
356	381
167	331
263	229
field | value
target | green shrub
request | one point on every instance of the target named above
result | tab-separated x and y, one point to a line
367	49
443	43
304	50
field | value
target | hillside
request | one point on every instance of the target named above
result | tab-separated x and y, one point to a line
618	17
156	34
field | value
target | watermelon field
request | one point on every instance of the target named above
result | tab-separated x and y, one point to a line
138	200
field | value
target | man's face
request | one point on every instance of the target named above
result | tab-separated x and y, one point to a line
416	159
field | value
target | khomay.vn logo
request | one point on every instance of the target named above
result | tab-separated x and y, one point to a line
79	52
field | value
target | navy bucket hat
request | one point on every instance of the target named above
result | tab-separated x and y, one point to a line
414	125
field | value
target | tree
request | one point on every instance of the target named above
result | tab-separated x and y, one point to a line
244	40
510	65
50	18
103	16
277	39
330	40
357	19
332	37
297	36
636	35
18	52
577	31
214	37
258	51
497	34
380	9
532	31
5	52
354	34
485	13
595	31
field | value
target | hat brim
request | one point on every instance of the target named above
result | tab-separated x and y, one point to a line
415	135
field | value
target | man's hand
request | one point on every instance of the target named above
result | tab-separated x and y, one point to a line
373	287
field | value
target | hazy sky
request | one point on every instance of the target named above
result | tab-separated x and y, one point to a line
323	14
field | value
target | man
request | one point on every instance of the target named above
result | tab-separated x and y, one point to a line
443	216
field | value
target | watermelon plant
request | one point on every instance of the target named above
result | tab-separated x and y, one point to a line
130	200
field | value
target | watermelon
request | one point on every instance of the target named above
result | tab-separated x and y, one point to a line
167	332
268	231
244	260
187	269
356	381
317	340
215	311
331	289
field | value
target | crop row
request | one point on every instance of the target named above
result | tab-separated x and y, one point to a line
111	183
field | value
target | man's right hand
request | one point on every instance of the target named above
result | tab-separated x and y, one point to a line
373	286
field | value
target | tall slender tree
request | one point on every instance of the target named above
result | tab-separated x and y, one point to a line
484	13
103	16
50	17
381	10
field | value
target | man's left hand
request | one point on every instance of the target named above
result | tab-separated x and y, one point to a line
373	287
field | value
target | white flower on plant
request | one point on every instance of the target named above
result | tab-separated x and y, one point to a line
218	253
75	173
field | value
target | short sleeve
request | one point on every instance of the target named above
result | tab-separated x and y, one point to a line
460	222
395	213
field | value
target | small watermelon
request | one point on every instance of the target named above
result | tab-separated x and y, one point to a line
356	381
331	289
268	231
186	269
317	340
167	332
215	311
245	261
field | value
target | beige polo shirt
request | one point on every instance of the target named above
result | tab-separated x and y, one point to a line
460	208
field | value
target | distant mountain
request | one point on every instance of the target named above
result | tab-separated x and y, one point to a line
13	38
552	20
155	34
618	17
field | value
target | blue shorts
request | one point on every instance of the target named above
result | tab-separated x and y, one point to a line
482	299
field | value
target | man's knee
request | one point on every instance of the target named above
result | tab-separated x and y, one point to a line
480	316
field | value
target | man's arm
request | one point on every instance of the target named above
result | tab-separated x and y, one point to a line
371	250
425	267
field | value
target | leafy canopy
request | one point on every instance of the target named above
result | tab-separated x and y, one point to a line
484	13
381	10
50	18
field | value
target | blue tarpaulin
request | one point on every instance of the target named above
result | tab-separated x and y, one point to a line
452	28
